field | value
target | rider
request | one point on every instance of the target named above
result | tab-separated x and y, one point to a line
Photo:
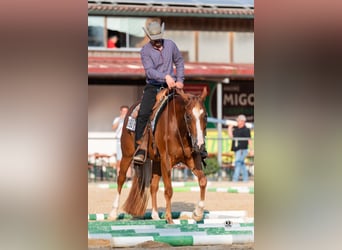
157	57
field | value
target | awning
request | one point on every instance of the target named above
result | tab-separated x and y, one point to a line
224	9
132	68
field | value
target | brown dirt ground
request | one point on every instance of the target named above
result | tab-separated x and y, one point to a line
100	201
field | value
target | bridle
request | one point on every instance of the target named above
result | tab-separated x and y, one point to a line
187	119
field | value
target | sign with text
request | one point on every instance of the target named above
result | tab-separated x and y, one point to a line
196	89
237	98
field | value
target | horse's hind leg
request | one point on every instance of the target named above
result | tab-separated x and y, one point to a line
124	165
156	173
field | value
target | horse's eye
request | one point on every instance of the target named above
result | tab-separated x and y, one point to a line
187	117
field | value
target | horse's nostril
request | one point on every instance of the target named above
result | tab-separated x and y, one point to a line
197	148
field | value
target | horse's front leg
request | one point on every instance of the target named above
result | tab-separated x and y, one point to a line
156	173
167	194
202	182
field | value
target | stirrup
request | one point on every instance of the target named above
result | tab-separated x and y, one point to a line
139	157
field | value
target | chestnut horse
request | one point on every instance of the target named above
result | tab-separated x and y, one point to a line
178	137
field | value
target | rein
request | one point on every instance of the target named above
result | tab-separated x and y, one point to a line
167	132
189	133
178	132
193	141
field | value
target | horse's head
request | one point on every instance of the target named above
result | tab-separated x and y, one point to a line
195	117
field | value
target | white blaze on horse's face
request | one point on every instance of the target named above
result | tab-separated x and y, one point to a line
197	113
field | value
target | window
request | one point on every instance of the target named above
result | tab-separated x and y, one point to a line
116	32
244	47
113	32
96	31
128	31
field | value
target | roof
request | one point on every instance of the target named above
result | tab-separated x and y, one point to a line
195	8
119	67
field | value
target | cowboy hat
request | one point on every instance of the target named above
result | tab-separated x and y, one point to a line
154	30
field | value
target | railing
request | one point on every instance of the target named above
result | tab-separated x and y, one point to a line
102	157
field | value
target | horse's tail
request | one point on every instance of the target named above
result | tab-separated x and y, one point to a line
136	202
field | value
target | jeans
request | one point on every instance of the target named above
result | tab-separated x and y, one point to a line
240	156
147	102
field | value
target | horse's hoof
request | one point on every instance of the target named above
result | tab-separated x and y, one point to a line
197	217
170	221
112	215
155	216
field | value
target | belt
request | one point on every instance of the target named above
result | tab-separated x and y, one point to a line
159	85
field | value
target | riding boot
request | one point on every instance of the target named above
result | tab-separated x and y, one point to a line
139	155
203	151
141	148
204	155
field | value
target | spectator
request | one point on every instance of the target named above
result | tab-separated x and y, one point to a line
111	43
240	147
117	127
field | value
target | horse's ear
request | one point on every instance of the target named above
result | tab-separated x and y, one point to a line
204	93
182	94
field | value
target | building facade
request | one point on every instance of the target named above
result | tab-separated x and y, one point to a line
216	39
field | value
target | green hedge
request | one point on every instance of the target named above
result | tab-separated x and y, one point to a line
212	166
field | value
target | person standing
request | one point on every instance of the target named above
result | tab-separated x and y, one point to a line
158	58
117	127
240	147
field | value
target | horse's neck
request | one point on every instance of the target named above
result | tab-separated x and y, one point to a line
179	114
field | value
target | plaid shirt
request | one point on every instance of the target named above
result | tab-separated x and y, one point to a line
158	64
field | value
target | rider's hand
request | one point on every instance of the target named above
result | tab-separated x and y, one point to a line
170	82
179	85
